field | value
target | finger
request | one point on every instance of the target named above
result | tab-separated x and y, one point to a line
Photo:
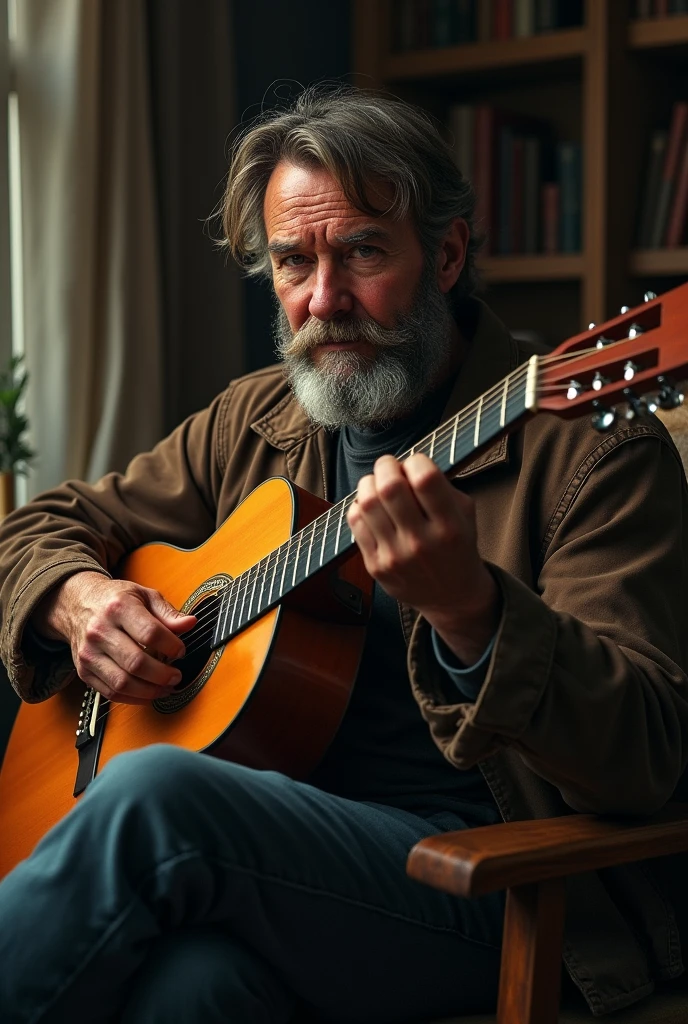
373	512
397	496
433	492
138	663
361	533
112	682
143	626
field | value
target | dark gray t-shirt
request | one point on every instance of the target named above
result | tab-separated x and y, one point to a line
383	751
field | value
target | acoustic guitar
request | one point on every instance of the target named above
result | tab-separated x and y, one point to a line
281	595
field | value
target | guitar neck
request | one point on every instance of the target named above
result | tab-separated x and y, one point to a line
328	537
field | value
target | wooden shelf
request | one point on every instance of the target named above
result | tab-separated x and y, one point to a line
478	57
659	262
658	32
505	269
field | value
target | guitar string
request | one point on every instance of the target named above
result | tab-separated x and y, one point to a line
316	530
441	436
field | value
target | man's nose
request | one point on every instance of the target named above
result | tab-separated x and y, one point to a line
330	296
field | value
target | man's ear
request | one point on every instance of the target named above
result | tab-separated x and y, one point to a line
452	255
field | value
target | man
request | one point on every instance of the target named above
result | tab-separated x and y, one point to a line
543	602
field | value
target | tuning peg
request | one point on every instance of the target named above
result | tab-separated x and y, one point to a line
669	397
602	342
638	406
630	370
574	389
635	329
649	296
604	418
625	309
599	381
591	326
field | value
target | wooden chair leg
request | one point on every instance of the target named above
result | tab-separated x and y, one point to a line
530	977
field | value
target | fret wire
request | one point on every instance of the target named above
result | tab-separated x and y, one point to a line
243	599
272	581
476	435
310	547
327	521
231	624
432	443
339	529
502	411
296	560
286	559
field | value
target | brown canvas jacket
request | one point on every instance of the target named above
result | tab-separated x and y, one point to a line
585	704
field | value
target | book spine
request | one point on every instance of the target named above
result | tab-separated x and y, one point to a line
462	127
484	20
550	217
503	19
406	33
422	35
531	194
483	172
569	160
524	18
661	8
677	131
545	16
677	217
505	200
644	9
465	21
517	189
444	18
653	178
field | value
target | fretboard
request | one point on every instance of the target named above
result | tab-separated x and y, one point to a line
328	537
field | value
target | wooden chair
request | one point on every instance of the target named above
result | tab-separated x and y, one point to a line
531	860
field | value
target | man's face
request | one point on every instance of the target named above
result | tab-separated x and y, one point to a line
363	326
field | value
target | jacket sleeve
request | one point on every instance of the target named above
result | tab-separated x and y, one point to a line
587	676
168	494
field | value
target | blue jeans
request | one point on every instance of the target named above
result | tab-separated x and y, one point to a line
186	889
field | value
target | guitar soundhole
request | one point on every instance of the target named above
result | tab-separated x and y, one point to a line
200	660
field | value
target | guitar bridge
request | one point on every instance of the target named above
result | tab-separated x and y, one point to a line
89	736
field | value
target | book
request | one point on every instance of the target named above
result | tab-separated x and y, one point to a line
462	128
677	132
570	178
532	176
545	15
677	216
653	177
423	28
644	9
483	20
550	217
503	19
465	21
517	212
505	198
524	18
444	22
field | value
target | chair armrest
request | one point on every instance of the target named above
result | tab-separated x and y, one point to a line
480	860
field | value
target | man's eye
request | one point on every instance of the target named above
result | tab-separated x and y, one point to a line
295	260
366	251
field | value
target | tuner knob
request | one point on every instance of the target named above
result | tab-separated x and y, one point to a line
602	342
630	369
603	419
649	296
635	329
591	326
625	309
636	406
669	397
574	389
599	381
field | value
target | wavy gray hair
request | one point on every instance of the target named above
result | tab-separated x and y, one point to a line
361	138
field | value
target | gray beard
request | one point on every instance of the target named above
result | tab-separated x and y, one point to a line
345	388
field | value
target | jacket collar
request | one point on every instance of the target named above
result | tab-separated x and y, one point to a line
492	354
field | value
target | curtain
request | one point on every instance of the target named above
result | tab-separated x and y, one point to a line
91	282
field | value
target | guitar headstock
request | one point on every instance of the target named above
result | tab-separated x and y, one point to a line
633	360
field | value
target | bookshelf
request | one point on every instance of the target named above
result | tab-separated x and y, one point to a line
604	84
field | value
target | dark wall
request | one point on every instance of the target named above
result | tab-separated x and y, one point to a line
279	46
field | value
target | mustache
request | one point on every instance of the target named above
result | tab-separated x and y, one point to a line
323	332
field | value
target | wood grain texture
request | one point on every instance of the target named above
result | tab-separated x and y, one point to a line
274	700
530	974
495	857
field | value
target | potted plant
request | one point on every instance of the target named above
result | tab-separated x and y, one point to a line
15	453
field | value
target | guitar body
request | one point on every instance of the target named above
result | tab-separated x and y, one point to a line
271	698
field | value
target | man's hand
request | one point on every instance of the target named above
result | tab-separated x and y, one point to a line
417	536
111	625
